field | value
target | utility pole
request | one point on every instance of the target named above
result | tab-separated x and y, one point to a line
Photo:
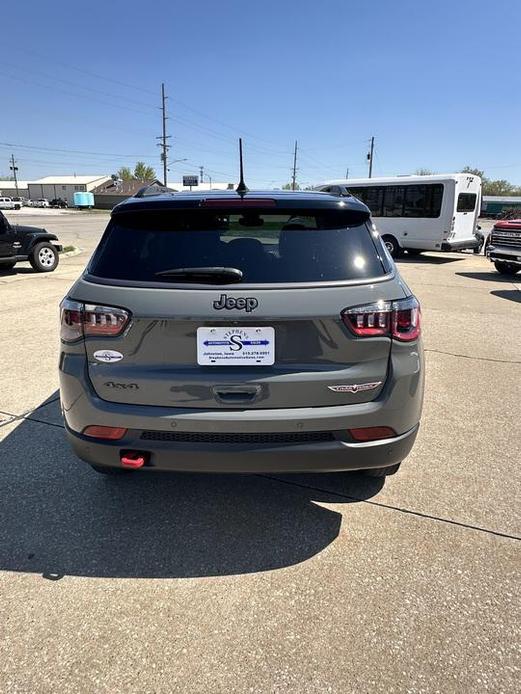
164	137
347	172
201	172
294	175
370	158
14	169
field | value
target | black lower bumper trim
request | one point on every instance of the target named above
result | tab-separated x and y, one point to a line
324	456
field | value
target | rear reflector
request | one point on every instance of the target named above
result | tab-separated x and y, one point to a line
108	433
372	433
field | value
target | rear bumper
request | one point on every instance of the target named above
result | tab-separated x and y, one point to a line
398	406
461	245
330	456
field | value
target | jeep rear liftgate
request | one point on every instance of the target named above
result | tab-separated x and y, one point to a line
272	332
154	359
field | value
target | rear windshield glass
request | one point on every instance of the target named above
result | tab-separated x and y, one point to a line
466	202
305	247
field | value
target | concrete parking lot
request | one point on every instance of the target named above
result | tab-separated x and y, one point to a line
308	583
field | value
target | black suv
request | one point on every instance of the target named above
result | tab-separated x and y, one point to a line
36	245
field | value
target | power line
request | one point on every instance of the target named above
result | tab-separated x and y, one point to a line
85	87
85	72
69	93
72	151
234	129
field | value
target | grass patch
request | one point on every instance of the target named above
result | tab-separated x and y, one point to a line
68	249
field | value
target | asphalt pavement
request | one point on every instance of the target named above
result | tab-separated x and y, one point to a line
305	583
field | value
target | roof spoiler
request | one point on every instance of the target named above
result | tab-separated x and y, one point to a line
152	189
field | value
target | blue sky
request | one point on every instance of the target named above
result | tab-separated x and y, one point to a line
436	83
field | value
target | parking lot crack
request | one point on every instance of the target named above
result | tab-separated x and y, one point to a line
28	417
469	356
390	507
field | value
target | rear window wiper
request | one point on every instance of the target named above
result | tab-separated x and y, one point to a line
204	275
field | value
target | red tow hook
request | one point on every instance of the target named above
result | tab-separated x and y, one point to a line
133	459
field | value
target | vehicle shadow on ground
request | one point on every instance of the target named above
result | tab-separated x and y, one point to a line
19	271
61	518
426	258
491	276
509	294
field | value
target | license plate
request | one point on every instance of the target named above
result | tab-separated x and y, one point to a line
235	346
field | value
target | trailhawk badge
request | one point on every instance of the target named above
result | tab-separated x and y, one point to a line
355	387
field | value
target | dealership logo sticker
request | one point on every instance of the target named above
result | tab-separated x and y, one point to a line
355	387
107	355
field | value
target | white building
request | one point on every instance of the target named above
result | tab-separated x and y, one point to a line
64	187
8	189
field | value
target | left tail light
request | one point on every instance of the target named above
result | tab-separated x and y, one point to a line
78	320
400	319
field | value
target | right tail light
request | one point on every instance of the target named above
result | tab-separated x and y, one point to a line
78	320
400	319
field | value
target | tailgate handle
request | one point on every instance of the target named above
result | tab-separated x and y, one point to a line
227	394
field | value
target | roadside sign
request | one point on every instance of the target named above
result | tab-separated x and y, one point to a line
190	181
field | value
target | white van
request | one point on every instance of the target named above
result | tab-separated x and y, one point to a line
419	213
9	204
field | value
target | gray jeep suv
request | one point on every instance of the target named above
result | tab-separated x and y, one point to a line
262	332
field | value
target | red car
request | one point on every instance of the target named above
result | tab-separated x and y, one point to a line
504	246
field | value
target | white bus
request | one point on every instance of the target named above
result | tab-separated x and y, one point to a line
419	213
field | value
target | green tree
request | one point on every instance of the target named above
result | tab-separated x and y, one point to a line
287	186
474	172
125	174
142	172
499	187
493	187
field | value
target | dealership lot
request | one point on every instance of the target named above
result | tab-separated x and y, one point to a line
306	583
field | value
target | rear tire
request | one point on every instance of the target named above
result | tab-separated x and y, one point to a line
382	471
44	257
392	246
102	470
506	268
